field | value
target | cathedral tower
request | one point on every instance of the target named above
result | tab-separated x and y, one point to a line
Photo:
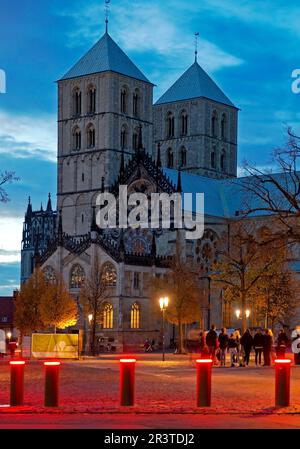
102	101
196	125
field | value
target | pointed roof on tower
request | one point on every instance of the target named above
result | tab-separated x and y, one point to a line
49	204
194	83
105	56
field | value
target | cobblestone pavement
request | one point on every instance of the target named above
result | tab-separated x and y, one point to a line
165	389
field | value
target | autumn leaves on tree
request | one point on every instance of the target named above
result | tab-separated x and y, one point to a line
41	304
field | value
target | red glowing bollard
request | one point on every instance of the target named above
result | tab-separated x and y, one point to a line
282	382
51	384
203	382
127	381
16	382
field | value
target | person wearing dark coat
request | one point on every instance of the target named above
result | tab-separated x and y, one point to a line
247	343
267	344
211	341
281	344
223	343
258	344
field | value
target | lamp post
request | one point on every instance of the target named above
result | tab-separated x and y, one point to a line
90	318
239	315
163	303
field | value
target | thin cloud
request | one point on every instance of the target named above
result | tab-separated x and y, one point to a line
10	227
146	28
28	136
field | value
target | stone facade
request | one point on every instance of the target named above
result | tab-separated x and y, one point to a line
199	141
83	168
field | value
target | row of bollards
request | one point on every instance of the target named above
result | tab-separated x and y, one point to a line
51	397
127	382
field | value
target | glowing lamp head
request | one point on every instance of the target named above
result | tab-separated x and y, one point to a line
17	362
127	360
279	361
204	361
247	313
8	335
52	363
163	302
90	317
237	313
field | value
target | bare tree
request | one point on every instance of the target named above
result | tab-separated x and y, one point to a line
181	285
93	296
277	194
244	265
7	177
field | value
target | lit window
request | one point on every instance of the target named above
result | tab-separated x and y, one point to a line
135	316
49	274
77	276
109	275
108	316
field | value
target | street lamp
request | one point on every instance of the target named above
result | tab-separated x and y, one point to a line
90	318
238	313
8	335
163	303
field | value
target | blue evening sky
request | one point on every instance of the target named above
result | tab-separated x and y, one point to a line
250	48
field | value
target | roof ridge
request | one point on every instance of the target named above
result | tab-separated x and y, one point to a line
105	56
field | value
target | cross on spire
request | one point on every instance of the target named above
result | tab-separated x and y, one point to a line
196	45
107	3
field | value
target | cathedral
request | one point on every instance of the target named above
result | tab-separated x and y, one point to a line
111	133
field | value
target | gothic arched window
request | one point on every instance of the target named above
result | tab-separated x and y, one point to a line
76	101
223	126
223	160
124	100
136	103
135	316
183	159
91	136
213	158
77	138
109	275
108	316
49	274
123	137
91	97
135	139
170	125
214	124
77	276
183	123
170	156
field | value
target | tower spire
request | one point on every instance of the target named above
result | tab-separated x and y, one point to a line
107	3
196	46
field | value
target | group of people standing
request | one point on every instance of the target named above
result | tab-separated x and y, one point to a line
239	347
